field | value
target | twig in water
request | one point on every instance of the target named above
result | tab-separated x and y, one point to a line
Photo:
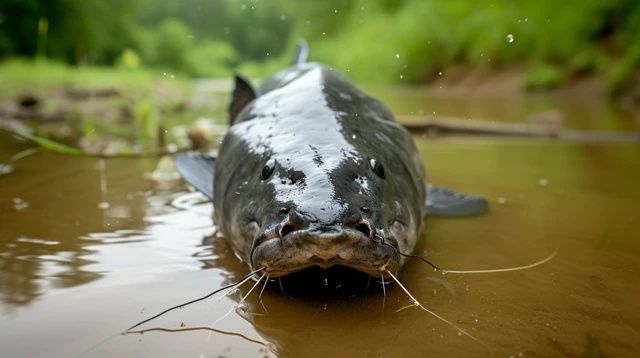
242	281
188	329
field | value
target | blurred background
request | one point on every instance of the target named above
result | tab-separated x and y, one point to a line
127	70
90	245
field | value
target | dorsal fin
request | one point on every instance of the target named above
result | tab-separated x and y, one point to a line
243	94
302	53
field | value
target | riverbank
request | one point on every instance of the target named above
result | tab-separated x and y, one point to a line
116	111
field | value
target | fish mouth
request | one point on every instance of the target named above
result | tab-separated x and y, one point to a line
335	282
325	248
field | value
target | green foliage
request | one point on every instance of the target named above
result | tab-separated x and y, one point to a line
171	42
408	41
210	59
147	119
51	145
543	77
32	76
429	36
77	31
129	59
624	72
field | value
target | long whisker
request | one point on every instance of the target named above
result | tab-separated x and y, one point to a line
240	302
418	304
405	307
384	290
517	268
260	295
239	283
280	283
379	239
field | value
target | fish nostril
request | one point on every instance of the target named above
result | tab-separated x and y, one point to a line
285	229
364	227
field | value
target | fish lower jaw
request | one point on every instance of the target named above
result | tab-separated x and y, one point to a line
373	271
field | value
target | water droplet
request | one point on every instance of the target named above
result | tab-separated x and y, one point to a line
323	33
510	38
440	73
353	136
543	182
401	76
103	205
397	55
335	11
526	19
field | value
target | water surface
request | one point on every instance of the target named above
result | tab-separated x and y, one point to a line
89	247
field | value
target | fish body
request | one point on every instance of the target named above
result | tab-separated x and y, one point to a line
313	172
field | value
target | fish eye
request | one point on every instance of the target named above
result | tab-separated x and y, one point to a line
377	168
267	170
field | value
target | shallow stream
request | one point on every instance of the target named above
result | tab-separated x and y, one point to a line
89	247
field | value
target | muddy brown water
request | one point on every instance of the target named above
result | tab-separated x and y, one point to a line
89	247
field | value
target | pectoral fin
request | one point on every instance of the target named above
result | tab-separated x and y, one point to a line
197	170
446	202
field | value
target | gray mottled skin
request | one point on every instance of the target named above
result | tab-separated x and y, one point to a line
321	134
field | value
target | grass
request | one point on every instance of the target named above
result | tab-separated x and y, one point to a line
144	110
39	76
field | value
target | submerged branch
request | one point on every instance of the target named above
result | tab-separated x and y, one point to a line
457	126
